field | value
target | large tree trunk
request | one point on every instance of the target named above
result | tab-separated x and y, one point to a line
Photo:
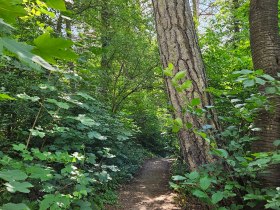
178	45
265	45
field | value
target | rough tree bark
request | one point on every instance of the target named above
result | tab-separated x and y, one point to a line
178	45
265	46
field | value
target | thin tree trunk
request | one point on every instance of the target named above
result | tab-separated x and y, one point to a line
178	45
195	4
265	45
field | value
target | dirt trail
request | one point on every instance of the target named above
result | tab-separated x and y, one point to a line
149	190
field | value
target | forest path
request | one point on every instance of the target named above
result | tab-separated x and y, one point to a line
149	190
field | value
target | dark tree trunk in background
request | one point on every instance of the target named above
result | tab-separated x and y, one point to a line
236	22
265	45
178	45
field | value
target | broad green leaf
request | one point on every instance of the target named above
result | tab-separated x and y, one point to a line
84	205
14	206
15	186
276	143
19	147
62	105
35	132
37	172
249	83
3	23
193	175
169	70
56	4
23	53
55	202
47	86
204	183
85	120
10	10
270	90
103	176
5	97
217	197
85	96
253	197
180	75
195	102
174	186
186	85
260	81
178	178
244	71
94	134
12	175
27	97
268	77
178	121
199	194
54	48
221	153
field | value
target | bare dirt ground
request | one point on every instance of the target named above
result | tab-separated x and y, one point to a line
149	190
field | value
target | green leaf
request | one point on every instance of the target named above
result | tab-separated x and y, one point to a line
10	10
221	153
244	71
56	4
193	175
85	96
268	77
180	75
15	186
54	48
12	175
94	134
35	132
178	178
276	143
270	90
260	81
37	172
199	194
85	120
178	121
14	206
59	104
204	183
195	102
248	83
5	97
19	147
55	202
23	53
27	97
217	197
253	197
186	85
167	72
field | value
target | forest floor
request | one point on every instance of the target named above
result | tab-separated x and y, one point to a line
149	190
